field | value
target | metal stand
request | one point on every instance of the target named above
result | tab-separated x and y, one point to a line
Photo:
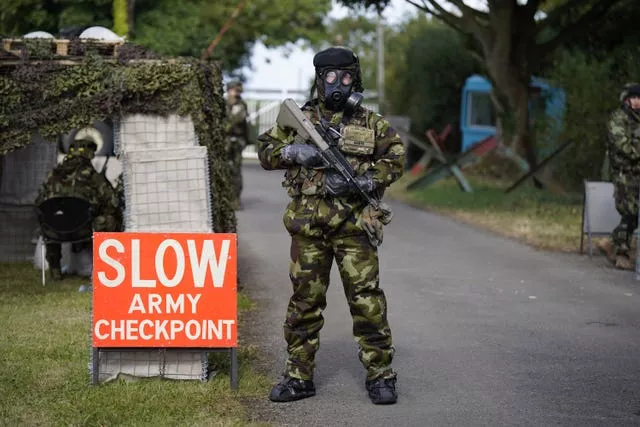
42	249
234	368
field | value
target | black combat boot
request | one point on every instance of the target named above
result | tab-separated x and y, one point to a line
382	391
290	389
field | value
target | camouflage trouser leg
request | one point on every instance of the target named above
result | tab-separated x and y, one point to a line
53	255
311	260
357	260
358	264
235	164
626	198
237	181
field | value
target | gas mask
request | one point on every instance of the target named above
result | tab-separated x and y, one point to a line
337	85
82	148
337	76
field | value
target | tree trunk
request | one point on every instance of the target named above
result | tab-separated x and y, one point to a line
512	90
505	48
131	6
120	20
523	141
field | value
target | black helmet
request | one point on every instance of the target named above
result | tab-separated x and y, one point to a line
630	89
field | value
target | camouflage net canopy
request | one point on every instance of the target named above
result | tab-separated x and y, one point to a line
43	93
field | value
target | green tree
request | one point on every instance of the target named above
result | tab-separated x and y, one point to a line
618	31
591	96
592	71
425	67
178	27
120	17
432	65
513	42
18	17
359	33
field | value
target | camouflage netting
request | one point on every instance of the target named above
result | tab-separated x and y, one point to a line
52	99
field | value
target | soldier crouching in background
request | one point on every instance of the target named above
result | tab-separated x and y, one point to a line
624	153
76	177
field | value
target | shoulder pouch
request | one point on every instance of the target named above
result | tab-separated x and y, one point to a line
357	140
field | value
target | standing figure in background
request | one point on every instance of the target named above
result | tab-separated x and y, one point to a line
624	158
76	177
237	131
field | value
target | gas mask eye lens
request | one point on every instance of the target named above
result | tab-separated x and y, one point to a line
331	77
347	79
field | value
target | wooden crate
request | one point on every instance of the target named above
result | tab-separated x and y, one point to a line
61	47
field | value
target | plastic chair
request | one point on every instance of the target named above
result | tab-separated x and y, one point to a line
64	220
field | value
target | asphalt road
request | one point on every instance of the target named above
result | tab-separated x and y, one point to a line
488	332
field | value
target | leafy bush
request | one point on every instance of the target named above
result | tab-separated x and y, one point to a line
592	86
431	68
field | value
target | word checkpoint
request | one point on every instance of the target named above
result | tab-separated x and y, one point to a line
164	290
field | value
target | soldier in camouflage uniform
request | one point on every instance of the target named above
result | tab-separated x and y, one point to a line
327	219
119	196
237	134
624	154
77	177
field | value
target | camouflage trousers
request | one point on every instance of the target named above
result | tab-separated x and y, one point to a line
626	197
235	145
320	234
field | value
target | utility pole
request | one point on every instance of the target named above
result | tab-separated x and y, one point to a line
380	40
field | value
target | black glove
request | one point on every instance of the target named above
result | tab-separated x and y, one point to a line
302	154
337	185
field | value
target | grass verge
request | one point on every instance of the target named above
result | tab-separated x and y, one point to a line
44	376
536	217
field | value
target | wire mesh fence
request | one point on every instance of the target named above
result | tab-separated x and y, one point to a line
175	364
22	172
167	190
149	133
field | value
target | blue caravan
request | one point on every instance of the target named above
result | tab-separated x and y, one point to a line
478	118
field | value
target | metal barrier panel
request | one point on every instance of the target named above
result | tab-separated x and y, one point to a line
601	216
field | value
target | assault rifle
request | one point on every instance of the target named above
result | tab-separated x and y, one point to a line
325	138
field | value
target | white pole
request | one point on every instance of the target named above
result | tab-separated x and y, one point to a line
42	258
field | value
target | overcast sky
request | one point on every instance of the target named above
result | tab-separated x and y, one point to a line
295	71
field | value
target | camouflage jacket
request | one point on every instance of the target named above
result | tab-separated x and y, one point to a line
624	144
77	177
369	144
237	114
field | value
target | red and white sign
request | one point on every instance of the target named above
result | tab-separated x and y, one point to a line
164	290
